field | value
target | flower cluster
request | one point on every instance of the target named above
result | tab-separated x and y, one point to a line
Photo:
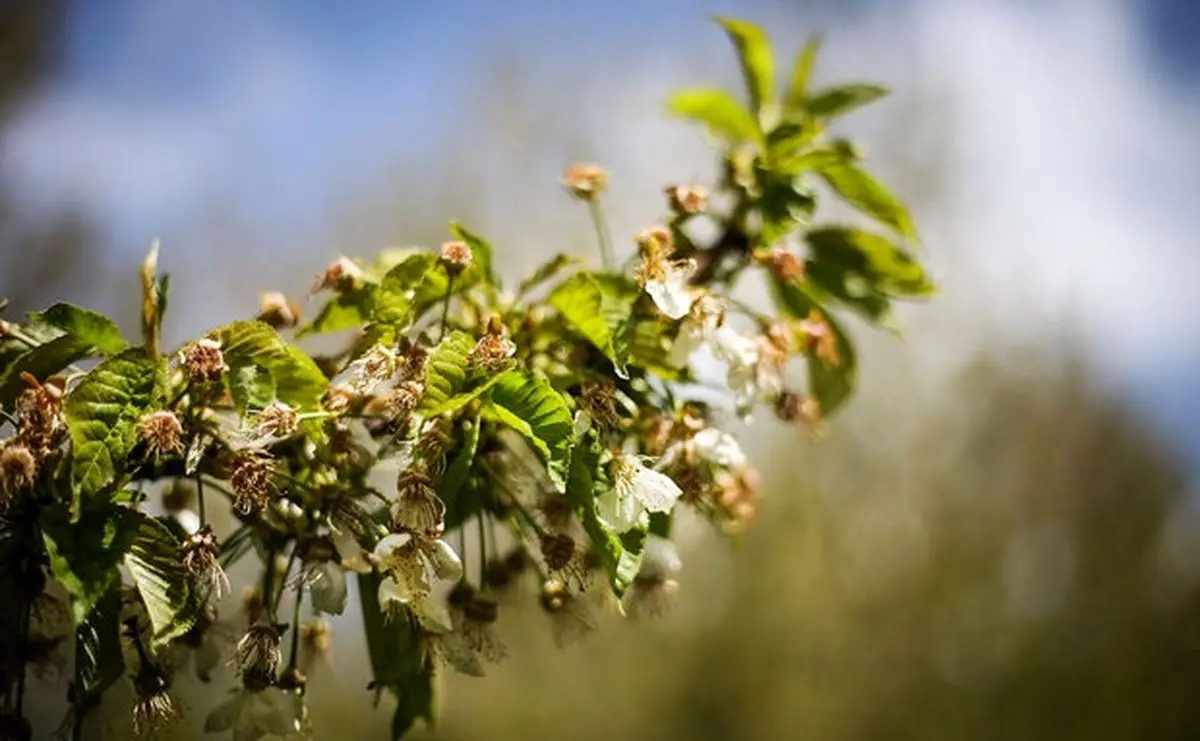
468	448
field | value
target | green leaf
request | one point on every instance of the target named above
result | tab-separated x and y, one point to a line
548	270
102	414
621	553
409	289
99	661
298	380
250	386
482	254
885	264
414	700
41	362
84	555
154	562
84	325
11	348
598	305
446	372
785	205
344	311
802	71
648	347
725	117
840	100
831	385
852	290
386	259
756	60
828	154
526	402
867	194
450	487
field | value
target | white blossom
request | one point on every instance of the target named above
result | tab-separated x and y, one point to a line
636	489
670	289
258	714
411	565
719	447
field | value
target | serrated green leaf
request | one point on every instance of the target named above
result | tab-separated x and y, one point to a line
155	563
84	555
867	194
84	325
526	402
649	350
250	386
99	661
11	348
446	372
482	254
842	99
548	270
620	552
725	117
756	60
102	414
831	385
814	158
41	362
298	380
802	71
887	266
598	306
409	289
344	311
835	282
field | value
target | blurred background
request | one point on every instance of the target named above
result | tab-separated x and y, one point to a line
999	539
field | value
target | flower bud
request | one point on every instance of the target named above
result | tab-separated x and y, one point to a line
686	200
278	310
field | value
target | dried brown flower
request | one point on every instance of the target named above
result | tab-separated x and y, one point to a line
417	508
343	274
686	200
204	361
585	181
493	350
456	257
478	629
200	558
565	560
18	469
162	432
250	480
600	401
278	310
820	339
783	263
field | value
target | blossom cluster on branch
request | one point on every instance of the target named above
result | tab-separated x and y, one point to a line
471	442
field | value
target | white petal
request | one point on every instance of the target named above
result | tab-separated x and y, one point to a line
391	543
687	342
188	520
731	346
328	589
621	513
433	614
656	491
393	590
718	446
671	295
583	423
446	563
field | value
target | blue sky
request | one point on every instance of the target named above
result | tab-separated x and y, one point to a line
1071	143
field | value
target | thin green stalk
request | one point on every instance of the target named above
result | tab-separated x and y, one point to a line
482	549
200	499
446	305
296	624
607	259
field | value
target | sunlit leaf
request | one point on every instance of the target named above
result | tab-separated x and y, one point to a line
250	386
548	270
483	256
885	264
155	563
755	58
526	402
840	100
344	311
41	362
867	194
598	305
102	414
725	117
84	325
446	372
298	380
802	71
785	206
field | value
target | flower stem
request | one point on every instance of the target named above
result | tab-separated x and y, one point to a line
200	498
446	306
482	548
296	624
606	251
